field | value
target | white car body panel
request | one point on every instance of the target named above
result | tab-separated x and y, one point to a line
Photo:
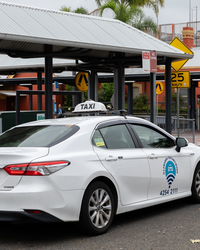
158	159
130	169
138	180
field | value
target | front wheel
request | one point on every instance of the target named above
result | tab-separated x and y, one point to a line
98	209
196	185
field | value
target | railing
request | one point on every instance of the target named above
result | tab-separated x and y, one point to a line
186	126
167	32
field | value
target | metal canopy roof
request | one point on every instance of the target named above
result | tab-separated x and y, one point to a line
10	66
24	32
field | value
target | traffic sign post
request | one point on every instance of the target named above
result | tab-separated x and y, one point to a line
180	79
153	61
159	90
149	64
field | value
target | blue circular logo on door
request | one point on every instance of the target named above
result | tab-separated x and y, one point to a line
170	170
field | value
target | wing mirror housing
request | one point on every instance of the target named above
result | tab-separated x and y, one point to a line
180	143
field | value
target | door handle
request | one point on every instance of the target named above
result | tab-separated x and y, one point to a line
153	156
111	158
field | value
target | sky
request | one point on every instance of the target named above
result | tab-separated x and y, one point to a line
174	11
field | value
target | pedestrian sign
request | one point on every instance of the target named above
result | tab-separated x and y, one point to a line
181	46
81	81
159	88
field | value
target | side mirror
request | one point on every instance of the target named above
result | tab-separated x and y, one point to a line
180	143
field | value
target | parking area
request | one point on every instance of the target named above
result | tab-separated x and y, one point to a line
189	136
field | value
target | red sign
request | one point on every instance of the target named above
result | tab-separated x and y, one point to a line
145	55
153	61
146	61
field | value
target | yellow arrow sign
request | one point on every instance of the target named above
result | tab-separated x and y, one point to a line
181	46
159	88
81	81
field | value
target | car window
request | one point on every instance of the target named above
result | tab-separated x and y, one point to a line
117	137
97	139
151	138
37	136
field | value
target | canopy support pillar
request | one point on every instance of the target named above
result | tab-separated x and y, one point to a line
119	86
39	87
168	97
48	82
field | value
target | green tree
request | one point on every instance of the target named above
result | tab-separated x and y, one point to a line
130	12
105	92
144	23
140	102
80	10
154	4
68	98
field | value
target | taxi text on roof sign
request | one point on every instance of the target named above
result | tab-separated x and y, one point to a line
181	46
90	106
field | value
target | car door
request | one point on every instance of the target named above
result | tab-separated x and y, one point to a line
126	163
170	170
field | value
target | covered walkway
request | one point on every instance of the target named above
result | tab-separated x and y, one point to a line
97	44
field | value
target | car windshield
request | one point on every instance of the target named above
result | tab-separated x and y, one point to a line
37	136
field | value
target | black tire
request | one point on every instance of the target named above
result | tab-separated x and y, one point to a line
98	209
196	185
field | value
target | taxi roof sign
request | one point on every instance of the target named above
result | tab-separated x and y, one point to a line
181	46
90	106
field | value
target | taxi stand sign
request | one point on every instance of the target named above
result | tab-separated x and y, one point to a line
90	106
149	61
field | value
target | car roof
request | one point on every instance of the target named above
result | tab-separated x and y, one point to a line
71	120
79	120
92	121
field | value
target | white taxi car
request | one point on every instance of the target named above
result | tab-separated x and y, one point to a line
89	168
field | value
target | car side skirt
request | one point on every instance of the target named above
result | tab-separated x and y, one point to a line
152	202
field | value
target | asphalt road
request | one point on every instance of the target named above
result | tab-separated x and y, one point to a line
165	227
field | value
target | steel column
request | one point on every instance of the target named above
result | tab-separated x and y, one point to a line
93	86
130	98
191	103
168	96
48	83
30	100
153	97
119	86
39	87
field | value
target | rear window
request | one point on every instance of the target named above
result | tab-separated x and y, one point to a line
37	136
